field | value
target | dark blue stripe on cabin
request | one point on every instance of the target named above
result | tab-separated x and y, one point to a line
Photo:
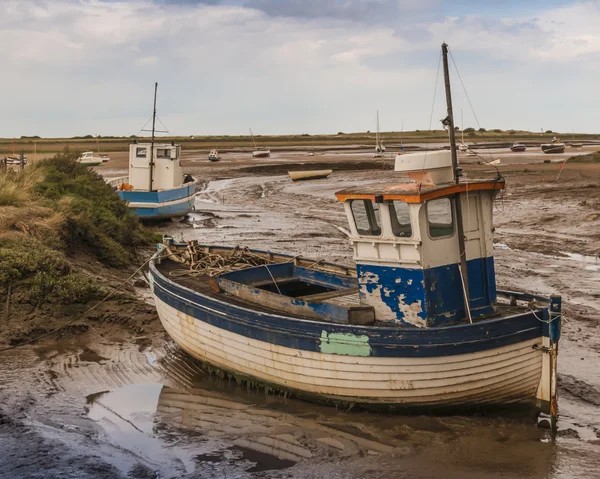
162	196
438	290
306	335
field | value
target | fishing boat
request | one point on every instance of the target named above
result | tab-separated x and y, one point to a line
517	147
214	156
555	146
309	174
417	324
88	158
379	148
156	187
259	152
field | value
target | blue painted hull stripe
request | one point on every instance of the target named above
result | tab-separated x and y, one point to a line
169	211
163	196
305	335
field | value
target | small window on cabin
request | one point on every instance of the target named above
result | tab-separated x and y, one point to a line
366	217
141	152
400	216
163	153
440	218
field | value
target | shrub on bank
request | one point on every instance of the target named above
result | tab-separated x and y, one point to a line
97	221
54	212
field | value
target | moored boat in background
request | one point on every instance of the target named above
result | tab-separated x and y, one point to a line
156	187
309	174
259	152
555	146
517	147
214	156
89	159
379	147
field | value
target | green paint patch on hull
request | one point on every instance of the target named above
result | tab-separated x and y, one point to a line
345	344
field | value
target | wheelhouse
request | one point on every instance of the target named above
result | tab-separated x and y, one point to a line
406	250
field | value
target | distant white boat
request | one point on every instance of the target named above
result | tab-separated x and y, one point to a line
259	152
87	158
379	148
15	160
214	156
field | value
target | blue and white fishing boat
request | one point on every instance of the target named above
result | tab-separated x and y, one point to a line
418	324
156	187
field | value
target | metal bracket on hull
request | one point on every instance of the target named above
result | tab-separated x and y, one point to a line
543	349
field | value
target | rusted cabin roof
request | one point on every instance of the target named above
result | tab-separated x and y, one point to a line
412	192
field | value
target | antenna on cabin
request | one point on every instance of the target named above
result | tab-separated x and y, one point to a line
456	173
151	164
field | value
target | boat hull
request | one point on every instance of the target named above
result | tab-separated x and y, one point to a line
549	149
261	154
309	175
163	204
493	363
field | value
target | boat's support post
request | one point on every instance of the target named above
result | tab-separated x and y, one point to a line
554	333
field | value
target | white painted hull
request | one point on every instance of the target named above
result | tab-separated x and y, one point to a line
94	162
503	375
261	153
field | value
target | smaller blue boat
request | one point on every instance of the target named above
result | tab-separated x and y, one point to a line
156	187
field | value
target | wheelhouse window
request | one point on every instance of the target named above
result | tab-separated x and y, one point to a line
366	217
440	218
400	217
141	152
163	153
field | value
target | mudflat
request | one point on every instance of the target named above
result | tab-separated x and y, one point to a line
112	396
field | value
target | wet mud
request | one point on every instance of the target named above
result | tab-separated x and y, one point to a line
118	399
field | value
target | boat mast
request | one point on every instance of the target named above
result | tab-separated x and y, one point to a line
151	164
462	127
378	146
456	174
253	140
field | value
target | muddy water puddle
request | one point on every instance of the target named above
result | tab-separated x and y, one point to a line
155	413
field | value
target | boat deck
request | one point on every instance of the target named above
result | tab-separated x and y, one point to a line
207	286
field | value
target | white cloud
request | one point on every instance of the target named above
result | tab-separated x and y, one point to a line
88	66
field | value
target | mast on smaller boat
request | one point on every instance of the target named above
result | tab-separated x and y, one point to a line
151	164
253	140
377	142
449	122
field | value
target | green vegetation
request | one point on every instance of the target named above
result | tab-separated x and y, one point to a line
54	213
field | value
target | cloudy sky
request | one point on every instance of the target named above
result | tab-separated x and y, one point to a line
76	67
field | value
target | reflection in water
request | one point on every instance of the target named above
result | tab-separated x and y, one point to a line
218	428
193	425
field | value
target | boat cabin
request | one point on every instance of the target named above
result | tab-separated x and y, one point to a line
166	167
406	244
